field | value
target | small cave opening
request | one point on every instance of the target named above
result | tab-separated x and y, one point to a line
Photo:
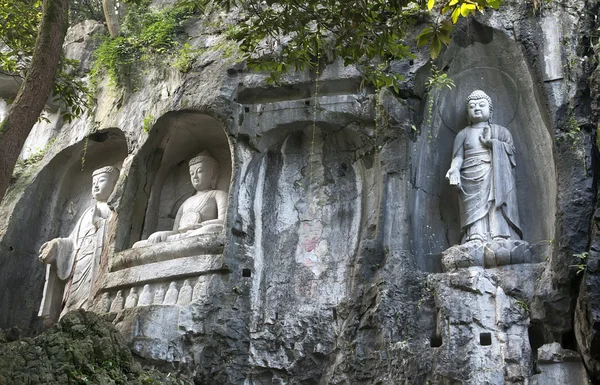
99	137
485	339
436	341
246	273
536	336
568	341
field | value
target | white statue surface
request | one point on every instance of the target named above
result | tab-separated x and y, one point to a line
483	171
73	262
202	213
483	163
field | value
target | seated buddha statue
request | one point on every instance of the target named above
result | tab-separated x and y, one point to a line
203	212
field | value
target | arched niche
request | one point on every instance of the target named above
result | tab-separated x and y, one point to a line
104	148
310	190
49	207
162	165
486	59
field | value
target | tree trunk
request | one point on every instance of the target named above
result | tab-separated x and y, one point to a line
36	88
112	19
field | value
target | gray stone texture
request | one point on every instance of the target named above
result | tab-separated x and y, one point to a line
330	267
82	349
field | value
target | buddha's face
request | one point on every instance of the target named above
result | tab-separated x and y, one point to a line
201	175
102	186
478	110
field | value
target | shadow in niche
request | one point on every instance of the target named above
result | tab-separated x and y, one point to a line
161	179
49	207
536	333
467	33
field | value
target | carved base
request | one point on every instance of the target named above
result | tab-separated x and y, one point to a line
206	244
490	254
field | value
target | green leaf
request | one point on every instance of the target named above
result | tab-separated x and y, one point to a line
444	38
424	36
430	4
494	3
455	15
466	8
436	47
446	26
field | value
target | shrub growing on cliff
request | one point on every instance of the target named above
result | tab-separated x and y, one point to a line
147	36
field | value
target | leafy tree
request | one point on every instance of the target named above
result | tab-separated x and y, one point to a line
279	35
35	64
282	35
19	22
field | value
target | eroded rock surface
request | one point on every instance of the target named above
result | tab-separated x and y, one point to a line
82	348
329	268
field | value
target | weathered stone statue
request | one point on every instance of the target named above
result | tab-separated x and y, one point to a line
202	213
483	162
73	261
483	169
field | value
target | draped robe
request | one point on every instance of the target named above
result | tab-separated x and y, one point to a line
69	279
488	199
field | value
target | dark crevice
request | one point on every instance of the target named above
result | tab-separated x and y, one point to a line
568	341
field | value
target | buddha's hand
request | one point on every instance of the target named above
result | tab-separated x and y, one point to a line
194	226
48	251
159	236
453	176
486	137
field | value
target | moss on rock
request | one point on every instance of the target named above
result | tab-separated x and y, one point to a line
82	348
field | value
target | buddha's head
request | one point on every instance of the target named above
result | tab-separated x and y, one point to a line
204	171
103	182
479	107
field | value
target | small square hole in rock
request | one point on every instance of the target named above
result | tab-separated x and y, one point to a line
485	339
246	273
436	341
247	109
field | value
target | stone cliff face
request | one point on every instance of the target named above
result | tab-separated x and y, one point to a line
329	268
82	349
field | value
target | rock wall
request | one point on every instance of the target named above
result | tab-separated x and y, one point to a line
82	349
329	269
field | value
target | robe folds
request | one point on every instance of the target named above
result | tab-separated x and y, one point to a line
488	196
70	277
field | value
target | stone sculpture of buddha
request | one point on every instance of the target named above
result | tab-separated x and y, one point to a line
202	213
483	163
73	261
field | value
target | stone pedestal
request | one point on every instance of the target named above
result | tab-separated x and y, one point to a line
482	325
159	294
493	254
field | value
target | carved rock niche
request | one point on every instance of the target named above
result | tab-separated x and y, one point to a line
493	63
188	135
50	207
176	272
